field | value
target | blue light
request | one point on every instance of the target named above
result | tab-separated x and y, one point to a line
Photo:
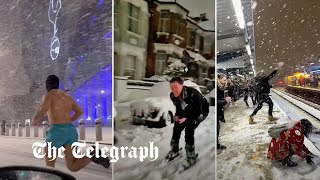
107	35
93	20
100	3
94	92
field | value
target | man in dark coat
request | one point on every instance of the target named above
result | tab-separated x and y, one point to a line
191	109
263	90
221	102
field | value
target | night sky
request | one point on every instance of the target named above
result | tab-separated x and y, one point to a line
287	31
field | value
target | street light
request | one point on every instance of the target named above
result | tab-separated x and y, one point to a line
238	9
248	49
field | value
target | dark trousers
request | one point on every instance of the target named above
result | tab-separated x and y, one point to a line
189	127
246	100
264	99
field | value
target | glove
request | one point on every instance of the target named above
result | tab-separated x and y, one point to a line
309	160
176	118
198	120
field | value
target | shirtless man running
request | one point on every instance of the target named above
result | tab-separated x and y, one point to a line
59	106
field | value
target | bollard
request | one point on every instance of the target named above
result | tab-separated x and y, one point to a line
45	128
98	130
27	129
35	131
82	132
19	129
13	129
7	129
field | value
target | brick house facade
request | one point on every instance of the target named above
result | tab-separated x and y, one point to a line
172	32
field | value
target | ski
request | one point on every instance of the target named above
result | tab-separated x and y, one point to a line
184	167
168	161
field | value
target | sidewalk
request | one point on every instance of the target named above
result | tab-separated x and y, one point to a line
247	145
90	136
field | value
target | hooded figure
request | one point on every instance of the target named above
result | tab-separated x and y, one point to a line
52	82
288	140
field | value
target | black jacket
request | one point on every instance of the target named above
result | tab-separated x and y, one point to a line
221	102
263	86
189	105
248	90
232	90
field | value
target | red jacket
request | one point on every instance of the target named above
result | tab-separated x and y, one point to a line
291	139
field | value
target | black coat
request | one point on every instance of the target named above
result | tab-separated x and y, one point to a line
248	90
189	105
263	86
221	102
232	90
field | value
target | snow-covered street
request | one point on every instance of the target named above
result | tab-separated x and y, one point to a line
18	151
128	134
247	145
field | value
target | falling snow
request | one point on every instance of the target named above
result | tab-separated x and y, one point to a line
250	23
254	5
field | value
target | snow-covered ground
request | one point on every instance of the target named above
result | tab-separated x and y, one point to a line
129	135
247	145
18	151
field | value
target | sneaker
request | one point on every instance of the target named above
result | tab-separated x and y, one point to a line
105	162
271	118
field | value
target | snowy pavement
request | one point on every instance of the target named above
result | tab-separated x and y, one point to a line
18	151
131	135
247	145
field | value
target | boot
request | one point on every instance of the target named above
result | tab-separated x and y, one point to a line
287	162
174	152
105	162
251	120
271	118
221	146
191	158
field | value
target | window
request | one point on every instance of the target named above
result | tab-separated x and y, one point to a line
182	28
208	45
192	38
201	43
130	66
197	39
115	12
133	18
116	6
164	21
161	63
178	27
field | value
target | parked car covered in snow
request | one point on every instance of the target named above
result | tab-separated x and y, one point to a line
158	107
